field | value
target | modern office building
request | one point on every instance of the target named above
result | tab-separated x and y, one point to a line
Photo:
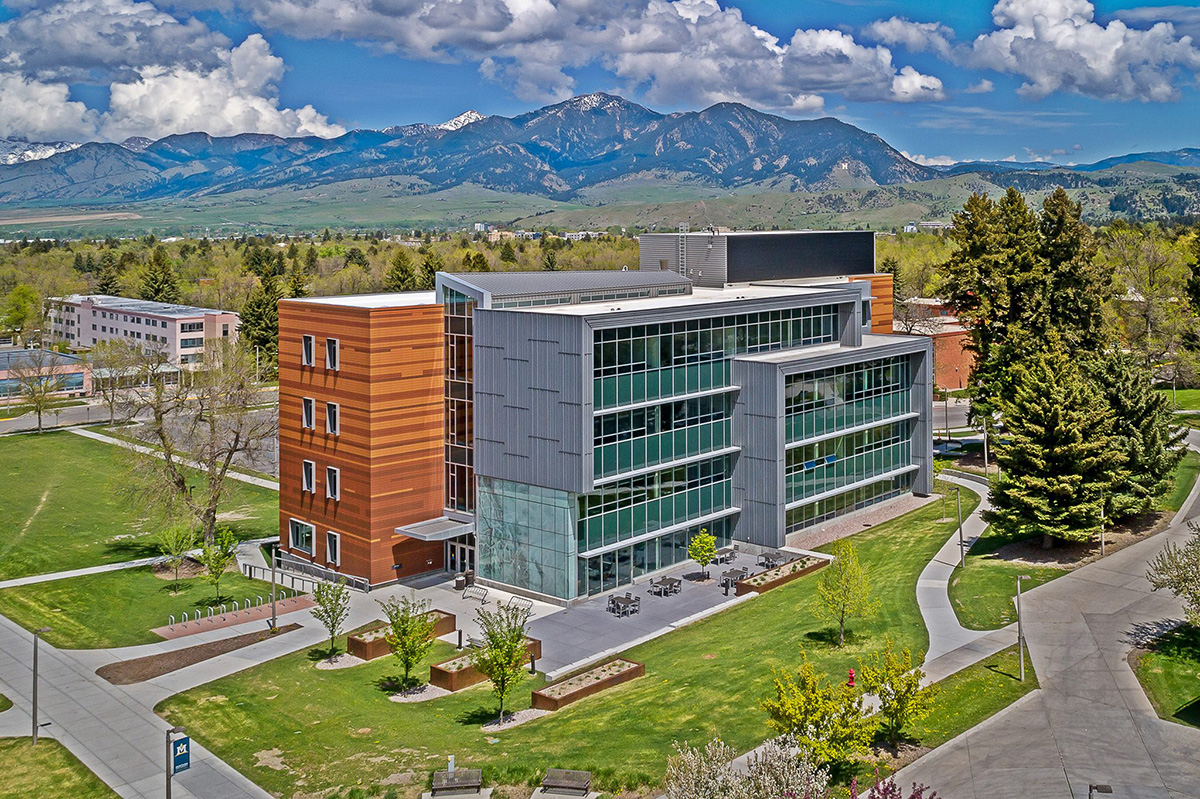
566	433
84	320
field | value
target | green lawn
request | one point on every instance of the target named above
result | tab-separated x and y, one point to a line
1186	399
335	728
114	609
5	703
61	506
47	769
1185	478
982	592
974	694
1170	675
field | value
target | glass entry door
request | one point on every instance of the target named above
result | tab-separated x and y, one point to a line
460	556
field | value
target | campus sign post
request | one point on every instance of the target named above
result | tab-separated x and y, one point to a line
179	754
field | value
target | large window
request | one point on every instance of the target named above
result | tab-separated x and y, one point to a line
645	362
854	499
458	310
824	401
188	343
189	327
623	565
828	465
300	536
633	506
634	439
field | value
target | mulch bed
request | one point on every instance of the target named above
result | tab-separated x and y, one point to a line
127	672
1073	554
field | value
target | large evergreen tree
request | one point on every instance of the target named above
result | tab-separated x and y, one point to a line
429	268
1143	427
109	280
1059	457
1076	285
259	329
400	276
159	284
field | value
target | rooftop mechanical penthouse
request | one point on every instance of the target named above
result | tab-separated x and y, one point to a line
566	433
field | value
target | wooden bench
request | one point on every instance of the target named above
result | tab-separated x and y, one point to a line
561	780
460	781
476	592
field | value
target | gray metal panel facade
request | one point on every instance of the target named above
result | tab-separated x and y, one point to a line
533	399
704	255
758	425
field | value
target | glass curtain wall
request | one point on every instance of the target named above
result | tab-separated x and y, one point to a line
460	473
623	565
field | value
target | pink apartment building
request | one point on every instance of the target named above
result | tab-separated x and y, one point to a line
84	320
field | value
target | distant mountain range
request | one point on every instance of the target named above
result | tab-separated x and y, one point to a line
592	148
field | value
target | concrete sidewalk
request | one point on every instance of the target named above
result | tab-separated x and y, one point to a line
33	579
1090	722
233	475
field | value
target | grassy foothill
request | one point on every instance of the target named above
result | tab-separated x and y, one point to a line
1169	672
982	592
62	508
290	727
118	608
47	769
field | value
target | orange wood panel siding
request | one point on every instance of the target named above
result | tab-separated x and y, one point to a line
882	309
389	388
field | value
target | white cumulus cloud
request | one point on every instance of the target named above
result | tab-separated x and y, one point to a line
929	160
164	75
1057	45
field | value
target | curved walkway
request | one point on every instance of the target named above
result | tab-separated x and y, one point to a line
1090	722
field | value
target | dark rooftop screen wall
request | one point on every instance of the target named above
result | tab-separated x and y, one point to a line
776	256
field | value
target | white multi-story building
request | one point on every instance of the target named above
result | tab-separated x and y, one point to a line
84	320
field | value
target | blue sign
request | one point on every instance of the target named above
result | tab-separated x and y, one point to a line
181	754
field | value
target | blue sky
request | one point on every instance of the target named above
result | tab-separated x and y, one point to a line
1067	80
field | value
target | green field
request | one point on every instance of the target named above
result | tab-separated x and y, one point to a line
46	770
982	592
1186	399
335	728
61	506
5	703
119	608
1170	674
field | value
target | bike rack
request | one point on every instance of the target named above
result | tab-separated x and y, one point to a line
171	624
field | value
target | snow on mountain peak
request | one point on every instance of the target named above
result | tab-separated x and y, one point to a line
461	121
15	151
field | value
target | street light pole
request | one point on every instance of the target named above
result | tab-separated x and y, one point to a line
170	760
1020	627
962	548
274	556
37	635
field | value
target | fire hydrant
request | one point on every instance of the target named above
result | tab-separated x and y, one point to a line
850	682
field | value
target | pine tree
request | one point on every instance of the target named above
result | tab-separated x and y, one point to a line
432	264
400	275
159	283
1059	458
1143	423
479	263
507	254
109	281
310	259
1076	284
259	329
550	261
297	282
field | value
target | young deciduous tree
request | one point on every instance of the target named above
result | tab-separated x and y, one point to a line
331	606
695	773
114	365
37	372
1143	426
1059	459
411	630
502	656
21	314
829	721
175	541
1177	569
702	548
844	590
216	556
891	677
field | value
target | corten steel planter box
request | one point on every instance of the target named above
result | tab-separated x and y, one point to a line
442	676
743	587
543	701
372	643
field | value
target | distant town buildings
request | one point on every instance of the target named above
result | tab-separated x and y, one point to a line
84	320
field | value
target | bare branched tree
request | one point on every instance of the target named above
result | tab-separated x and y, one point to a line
38	373
115	367
199	421
911	315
